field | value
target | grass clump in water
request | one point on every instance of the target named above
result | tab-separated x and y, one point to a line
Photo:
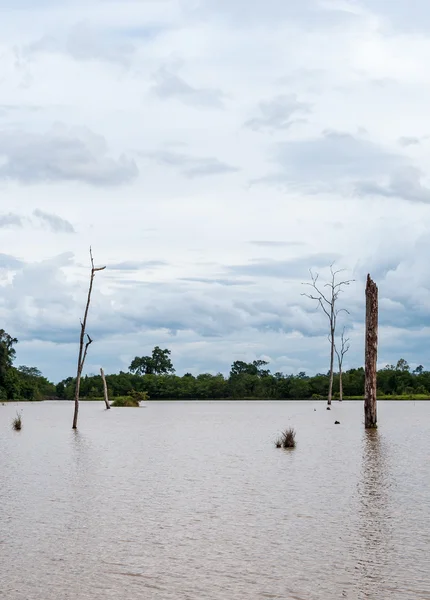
287	439
17	422
125	401
132	400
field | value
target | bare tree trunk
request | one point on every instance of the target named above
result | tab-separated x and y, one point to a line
371	353
344	347
105	390
330	385
328	304
83	349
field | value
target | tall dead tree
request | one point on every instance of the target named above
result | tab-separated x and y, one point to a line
340	352
371	354
105	389
83	347
327	301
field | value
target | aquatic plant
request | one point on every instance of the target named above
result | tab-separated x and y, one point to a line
127	401
287	439
17	422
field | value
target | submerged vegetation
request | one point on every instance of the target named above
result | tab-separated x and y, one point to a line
287	439
17	422
132	400
127	401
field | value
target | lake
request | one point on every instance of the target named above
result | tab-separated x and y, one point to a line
191	500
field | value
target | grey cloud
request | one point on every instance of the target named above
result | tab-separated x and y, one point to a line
403	16
61	154
215	314
405	183
409	141
85	43
278	113
292	268
54	222
315	14
10	220
275	244
17	108
224	282
169	85
173	308
131	265
191	166
20	4
10	262
323	164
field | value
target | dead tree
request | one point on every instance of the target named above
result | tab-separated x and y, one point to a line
105	390
371	354
344	347
327	301
83	347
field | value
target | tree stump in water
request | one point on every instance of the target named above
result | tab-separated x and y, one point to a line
105	390
371	354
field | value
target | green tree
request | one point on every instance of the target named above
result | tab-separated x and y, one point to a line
33	386
12	384
158	363
7	352
239	367
402	365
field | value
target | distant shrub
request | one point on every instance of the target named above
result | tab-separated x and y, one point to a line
17	422
317	397
139	396
132	400
287	439
421	390
127	401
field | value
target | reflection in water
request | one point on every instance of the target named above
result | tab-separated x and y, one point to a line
374	515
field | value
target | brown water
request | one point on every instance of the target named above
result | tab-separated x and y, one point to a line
191	500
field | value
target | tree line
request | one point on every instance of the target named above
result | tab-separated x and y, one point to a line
245	380
155	375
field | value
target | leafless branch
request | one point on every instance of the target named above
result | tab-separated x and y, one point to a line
344	347
90	341
327	302
83	348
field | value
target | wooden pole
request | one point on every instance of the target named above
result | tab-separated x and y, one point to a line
371	354
105	390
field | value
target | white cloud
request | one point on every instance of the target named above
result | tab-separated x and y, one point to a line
279	113
54	222
61	155
85	43
153	165
10	220
170	85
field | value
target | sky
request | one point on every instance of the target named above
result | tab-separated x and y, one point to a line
213	152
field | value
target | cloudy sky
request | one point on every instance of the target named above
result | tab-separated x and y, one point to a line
212	152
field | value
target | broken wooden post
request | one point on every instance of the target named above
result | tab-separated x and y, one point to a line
371	353
105	390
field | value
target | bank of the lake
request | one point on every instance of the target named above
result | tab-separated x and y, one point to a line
403	397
